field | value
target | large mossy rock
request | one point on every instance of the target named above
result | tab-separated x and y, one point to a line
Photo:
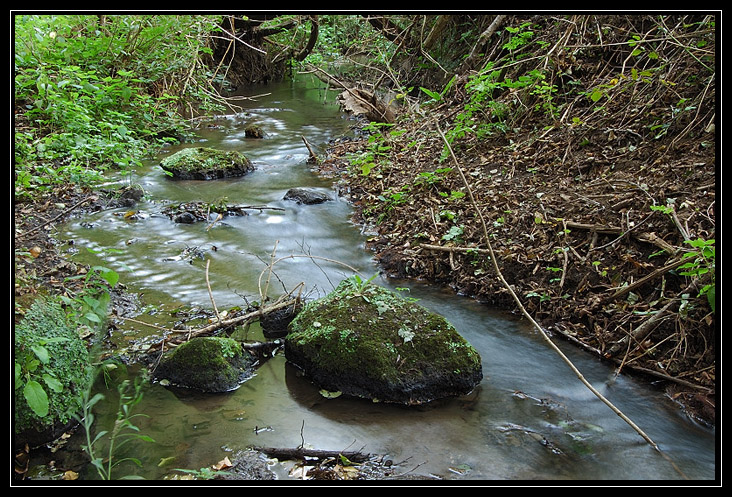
365	341
206	164
209	364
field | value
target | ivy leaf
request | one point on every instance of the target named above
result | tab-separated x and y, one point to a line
36	397
406	334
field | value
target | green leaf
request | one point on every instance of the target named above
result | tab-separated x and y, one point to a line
36	397
53	383
41	353
92	317
434	95
711	299
596	95
99	435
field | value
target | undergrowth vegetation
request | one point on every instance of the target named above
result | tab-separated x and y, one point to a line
94	92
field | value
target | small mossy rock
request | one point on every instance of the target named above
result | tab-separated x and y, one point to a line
365	341
209	364
253	131
206	164
306	196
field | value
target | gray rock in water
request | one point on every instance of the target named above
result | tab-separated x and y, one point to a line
185	218
306	196
363	340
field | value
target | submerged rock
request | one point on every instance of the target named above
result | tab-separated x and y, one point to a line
363	340
306	196
206	164
209	364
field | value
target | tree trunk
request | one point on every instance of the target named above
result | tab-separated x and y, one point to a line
311	41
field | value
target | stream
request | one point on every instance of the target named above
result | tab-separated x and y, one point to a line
529	419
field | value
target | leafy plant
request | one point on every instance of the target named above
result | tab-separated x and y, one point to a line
358	284
431	178
89	305
701	265
92	92
454	233
377	151
123	431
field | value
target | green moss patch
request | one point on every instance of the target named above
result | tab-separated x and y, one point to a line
51	372
366	341
206	164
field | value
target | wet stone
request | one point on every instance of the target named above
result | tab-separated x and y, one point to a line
306	196
202	163
208	364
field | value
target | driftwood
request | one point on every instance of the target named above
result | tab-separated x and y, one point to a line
358	101
301	453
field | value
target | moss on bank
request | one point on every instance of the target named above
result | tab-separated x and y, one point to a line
51	371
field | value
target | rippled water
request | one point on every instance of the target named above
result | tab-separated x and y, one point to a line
530	419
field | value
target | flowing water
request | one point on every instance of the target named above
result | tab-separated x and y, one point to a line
529	419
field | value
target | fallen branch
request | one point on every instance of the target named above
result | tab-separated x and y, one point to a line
614	230
225	323
313	156
301	453
62	214
655	274
442	248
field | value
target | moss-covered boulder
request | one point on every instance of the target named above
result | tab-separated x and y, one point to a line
209	364
52	371
203	163
363	340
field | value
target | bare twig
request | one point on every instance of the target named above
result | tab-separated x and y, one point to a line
210	293
36	228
